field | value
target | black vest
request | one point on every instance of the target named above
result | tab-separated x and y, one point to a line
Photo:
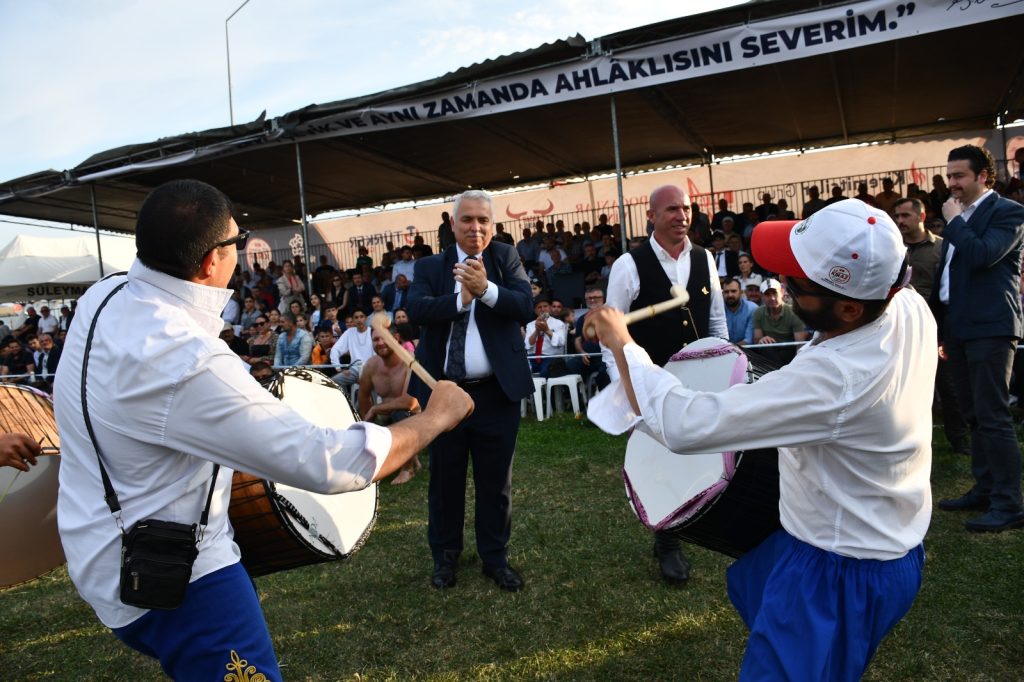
663	335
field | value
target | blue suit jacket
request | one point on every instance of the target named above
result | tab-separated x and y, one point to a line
432	305
984	275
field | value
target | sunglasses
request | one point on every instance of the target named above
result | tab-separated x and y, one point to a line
238	240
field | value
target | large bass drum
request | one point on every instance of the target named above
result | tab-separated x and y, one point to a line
725	501
279	527
28	499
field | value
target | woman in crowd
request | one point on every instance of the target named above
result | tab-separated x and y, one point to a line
263	342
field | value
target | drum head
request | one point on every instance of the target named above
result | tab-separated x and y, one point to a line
327	526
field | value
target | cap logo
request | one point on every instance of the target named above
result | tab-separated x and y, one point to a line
802	227
839	275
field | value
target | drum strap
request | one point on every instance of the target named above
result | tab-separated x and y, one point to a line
109	495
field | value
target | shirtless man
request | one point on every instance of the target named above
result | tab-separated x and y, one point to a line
388	378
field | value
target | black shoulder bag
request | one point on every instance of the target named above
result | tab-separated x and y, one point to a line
156	556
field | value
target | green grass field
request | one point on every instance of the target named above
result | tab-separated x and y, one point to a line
593	607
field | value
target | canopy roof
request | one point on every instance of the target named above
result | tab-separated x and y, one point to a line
33	268
763	76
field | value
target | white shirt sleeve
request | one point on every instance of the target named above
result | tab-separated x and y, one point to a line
264	436
623	288
340	347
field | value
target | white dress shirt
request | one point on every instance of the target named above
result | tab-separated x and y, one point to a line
167	399
403	267
477	364
624	287
47	325
851	417
554	344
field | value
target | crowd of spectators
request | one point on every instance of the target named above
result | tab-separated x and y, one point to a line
274	320
29	355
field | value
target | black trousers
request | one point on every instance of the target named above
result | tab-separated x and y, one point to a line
488	437
981	372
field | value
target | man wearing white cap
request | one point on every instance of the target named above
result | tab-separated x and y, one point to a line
854	457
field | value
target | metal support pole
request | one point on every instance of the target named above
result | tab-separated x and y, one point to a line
96	226
305	223
618	175
227	47
711	182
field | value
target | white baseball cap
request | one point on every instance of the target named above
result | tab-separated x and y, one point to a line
771	284
847	247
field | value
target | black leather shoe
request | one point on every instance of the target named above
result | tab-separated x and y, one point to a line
970	501
504	577
996	522
443	576
675	569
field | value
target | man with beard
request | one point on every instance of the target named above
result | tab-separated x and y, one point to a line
821	593
979	296
777	322
739	313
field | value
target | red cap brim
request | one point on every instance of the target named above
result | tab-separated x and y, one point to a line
770	244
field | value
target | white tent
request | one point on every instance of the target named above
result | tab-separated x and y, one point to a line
33	268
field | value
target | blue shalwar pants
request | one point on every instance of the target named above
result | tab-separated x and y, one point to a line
816	615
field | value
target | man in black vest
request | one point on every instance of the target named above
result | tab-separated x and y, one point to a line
644	277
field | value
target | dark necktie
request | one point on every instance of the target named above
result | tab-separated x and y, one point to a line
457	346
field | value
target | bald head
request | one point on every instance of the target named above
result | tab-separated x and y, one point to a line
669	212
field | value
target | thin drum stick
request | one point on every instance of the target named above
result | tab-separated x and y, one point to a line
379	325
680	297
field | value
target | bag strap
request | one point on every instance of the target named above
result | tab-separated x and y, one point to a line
109	496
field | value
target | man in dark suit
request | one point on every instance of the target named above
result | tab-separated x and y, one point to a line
47	358
396	294
470	301
360	295
978	295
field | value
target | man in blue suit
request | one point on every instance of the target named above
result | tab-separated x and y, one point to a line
471	301
978	295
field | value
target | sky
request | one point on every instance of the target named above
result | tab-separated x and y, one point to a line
79	77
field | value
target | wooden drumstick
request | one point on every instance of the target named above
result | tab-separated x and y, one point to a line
680	297
380	324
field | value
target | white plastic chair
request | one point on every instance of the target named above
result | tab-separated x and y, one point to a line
538	399
573	382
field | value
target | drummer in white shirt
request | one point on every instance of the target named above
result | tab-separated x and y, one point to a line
167	400
854	449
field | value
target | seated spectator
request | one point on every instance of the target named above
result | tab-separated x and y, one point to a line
590	360
558	265
357	343
234	342
775	322
261	371
546	258
294	345
784	212
16	363
529	250
248	316
262	341
753	293
739	313
747	276
412	332
46	360
387	377
30	326
545	337
405	265
377	310
322	350
47	323
396	294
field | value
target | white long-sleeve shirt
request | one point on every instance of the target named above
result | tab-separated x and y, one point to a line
168	399
358	345
850	416
624	287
